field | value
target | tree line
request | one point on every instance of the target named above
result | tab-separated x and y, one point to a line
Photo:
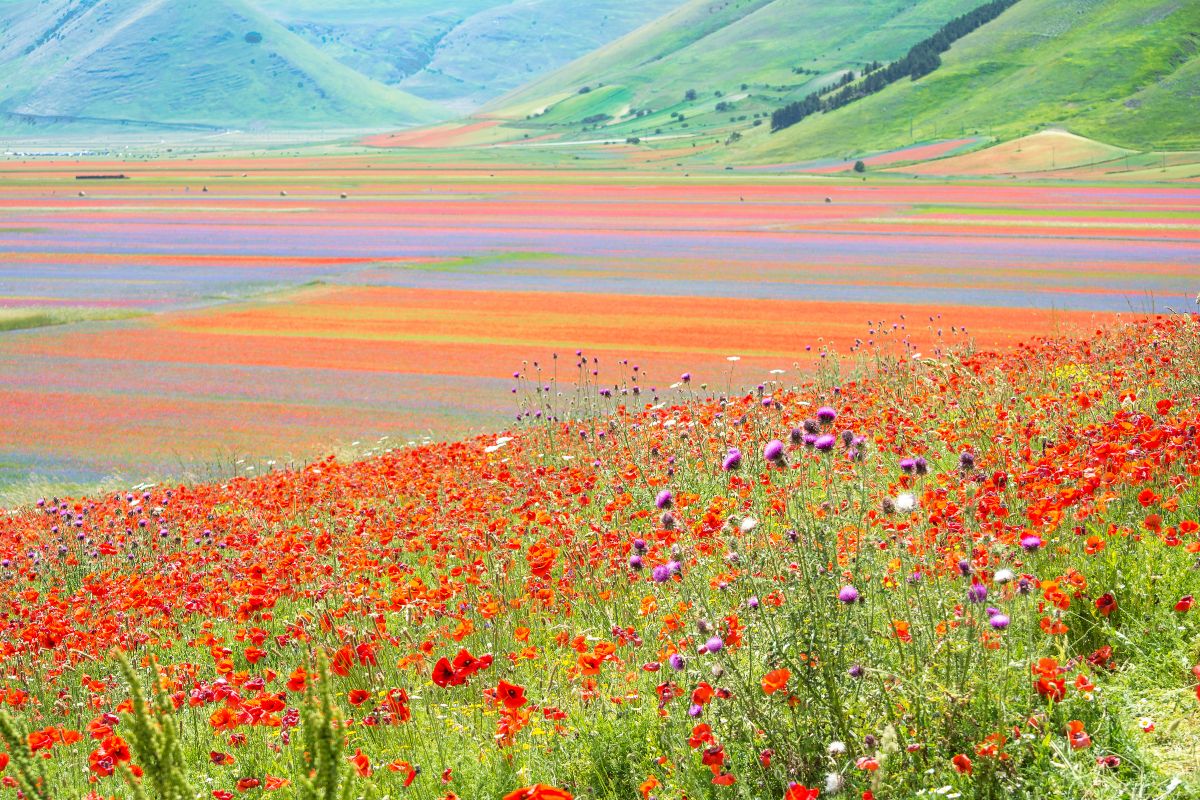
922	58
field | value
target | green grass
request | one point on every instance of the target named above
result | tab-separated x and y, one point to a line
21	318
711	48
1119	71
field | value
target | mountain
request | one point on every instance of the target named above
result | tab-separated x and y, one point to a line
206	63
460	53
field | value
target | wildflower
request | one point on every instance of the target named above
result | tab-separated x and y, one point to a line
848	594
977	593
1030	542
999	621
905	502
775	680
908	465
826	415
825	442
661	573
362	764
714	644
796	791
1077	736
1003	576
962	763
966	461
664	500
733	460
773	451
635	562
1106	604
748	524
836	749
1185	604
676	662
511	695
539	791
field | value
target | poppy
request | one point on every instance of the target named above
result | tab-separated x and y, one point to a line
511	695
775	680
539	791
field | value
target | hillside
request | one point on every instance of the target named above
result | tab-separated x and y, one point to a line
209	63
1124	72
755	53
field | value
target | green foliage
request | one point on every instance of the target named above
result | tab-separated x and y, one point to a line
24	767
153	735
324	744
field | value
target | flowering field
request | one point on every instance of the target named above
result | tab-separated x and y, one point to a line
214	263
961	575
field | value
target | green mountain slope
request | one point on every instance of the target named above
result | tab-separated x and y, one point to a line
213	63
461	53
757	53
1126	72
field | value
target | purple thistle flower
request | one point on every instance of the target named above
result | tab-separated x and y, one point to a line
639	545
826	415
733	460
773	451
714	644
999	621
1031	542
848	594
695	710
635	562
825	442
977	593
676	662
664	499
661	573
908	465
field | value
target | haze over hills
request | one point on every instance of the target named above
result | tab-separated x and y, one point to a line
208	63
460	53
708	73
284	65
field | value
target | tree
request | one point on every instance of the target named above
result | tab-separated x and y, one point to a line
859	166
689	95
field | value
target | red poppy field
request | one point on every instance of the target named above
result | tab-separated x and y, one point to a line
955	574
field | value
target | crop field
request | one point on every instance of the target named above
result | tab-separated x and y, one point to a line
203	313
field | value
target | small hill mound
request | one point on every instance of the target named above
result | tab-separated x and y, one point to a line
1045	151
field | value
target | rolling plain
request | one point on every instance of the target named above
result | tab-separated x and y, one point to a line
292	305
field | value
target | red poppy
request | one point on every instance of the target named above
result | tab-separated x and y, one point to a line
539	792
797	792
775	680
511	695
